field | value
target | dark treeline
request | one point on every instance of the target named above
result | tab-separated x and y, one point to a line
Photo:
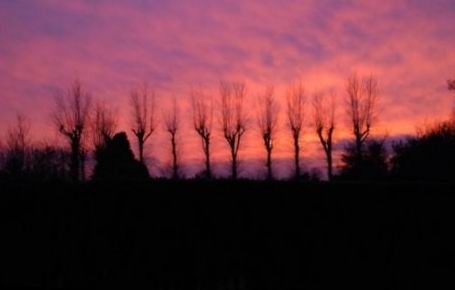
89	130
123	229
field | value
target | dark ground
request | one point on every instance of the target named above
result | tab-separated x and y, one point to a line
225	235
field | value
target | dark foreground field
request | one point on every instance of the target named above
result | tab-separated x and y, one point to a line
223	235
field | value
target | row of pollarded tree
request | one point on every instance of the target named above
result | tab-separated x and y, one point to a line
79	121
86	126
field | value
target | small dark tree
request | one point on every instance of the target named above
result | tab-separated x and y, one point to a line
267	122
115	162
70	117
372	166
18	145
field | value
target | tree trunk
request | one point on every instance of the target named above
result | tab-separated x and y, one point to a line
208	168
83	158
75	155
269	164
296	157
329	165
141	150
174	158
358	147
234	164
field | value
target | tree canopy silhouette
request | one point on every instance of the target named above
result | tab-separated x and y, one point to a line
116	161
372	165
429	156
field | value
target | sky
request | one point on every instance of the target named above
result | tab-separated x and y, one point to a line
113	46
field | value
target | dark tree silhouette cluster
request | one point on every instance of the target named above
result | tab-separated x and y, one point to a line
428	156
91	135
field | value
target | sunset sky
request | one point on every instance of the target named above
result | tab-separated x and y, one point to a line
112	46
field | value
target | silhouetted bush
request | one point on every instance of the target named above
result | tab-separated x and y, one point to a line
370	165
40	162
429	156
116	161
48	163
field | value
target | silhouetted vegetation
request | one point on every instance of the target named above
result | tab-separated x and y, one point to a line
382	221
428	156
233	119
371	164
202	110
143	115
70	118
172	127
115	162
267	122
361	104
324	123
295	114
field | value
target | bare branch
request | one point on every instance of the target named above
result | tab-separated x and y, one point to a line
103	125
233	119
202	123
70	117
18	135
172	124
18	145
324	124
361	105
295	113
143	113
267	122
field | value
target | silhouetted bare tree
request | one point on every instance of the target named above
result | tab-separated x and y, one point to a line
172	125
324	124
451	87
267	122
361	108
70	117
144	122
103	126
202	123
233	119
18	143
295	114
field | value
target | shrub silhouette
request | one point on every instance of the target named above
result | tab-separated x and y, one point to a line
430	156
371	164
116	161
